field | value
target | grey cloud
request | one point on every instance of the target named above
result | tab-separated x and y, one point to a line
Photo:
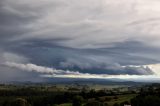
155	19
76	35
42	69
31	67
39	69
12	74
77	21
106	68
90	60
54	19
51	72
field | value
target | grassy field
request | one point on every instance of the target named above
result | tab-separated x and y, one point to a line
63	95
112	101
121	98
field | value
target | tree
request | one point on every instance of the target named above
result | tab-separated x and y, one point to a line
105	104
20	102
116	104
77	100
96	103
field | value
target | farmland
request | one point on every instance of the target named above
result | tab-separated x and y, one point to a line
77	95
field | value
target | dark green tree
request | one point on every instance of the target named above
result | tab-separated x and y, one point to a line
95	103
19	102
77	100
116	104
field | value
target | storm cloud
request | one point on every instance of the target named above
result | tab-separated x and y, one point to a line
94	37
125	70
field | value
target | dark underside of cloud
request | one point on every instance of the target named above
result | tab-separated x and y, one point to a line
95	61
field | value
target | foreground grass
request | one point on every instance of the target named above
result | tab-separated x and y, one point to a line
120	99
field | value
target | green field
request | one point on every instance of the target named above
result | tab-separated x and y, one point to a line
64	95
112	101
121	98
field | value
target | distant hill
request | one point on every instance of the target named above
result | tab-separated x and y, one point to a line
81	81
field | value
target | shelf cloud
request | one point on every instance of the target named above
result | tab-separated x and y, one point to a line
140	70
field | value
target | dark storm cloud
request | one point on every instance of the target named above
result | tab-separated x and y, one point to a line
74	35
95	61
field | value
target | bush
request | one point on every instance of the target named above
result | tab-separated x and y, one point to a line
146	101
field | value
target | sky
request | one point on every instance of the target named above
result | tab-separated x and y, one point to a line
87	39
